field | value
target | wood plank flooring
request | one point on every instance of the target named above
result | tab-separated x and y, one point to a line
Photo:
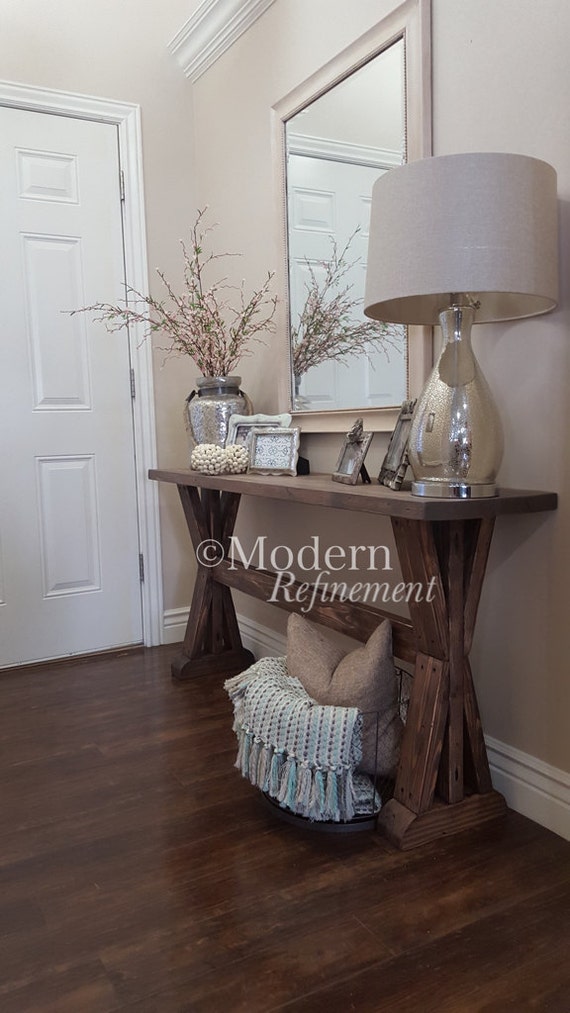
139	873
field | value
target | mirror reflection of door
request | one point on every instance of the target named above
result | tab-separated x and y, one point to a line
336	148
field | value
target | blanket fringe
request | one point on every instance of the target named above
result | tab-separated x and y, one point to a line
317	793
317	800
275	771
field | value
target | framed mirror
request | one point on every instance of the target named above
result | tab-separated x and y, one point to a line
365	112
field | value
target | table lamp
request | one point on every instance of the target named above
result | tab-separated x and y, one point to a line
461	239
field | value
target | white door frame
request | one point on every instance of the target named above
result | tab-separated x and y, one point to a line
126	117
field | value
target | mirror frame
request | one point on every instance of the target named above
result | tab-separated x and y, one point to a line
410	20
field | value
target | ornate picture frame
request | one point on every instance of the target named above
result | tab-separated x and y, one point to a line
395	463
240	426
350	463
273	450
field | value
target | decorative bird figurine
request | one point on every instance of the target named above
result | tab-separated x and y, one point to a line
355	434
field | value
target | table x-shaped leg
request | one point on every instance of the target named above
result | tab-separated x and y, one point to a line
212	643
443	782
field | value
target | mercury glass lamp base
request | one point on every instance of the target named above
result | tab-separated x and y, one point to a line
454	490
456	439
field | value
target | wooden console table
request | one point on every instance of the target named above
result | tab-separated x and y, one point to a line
443	782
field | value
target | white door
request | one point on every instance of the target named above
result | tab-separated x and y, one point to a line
69	546
329	200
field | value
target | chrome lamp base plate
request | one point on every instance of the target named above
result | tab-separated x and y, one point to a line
454	490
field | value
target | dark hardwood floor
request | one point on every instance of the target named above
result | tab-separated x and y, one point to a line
140	873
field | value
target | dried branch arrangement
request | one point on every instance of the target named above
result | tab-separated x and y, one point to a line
331	325
201	322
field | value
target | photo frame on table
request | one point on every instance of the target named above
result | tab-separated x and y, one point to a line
350	462
273	450
395	464
240	426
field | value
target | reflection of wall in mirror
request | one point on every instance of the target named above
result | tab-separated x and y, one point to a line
328	198
364	109
336	151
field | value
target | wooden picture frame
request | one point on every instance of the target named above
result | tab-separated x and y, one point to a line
274	450
350	463
395	463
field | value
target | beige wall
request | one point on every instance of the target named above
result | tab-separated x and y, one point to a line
500	83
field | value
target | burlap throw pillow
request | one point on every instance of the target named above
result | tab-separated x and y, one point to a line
363	678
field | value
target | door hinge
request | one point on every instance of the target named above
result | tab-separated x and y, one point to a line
122	184
133	384
141	567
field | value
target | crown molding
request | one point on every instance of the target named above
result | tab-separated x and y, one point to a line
212	29
342	151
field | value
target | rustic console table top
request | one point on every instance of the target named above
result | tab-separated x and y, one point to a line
320	490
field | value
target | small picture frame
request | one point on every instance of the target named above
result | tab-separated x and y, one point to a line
350	462
395	463
240	426
273	450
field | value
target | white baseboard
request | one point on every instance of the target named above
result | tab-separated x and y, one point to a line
530	786
258	639
174	625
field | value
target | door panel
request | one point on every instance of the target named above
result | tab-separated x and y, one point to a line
328	200
69	548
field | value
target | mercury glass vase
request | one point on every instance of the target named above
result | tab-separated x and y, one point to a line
208	409
456	437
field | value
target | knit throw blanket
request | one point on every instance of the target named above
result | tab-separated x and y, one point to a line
300	753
